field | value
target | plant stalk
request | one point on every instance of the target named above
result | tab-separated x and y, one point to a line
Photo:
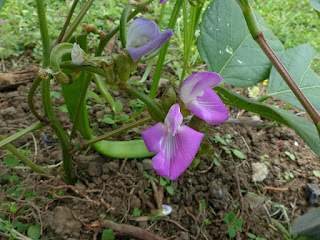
31	93
64	28
46	99
77	21
34	127
260	39
164	49
23	158
115	132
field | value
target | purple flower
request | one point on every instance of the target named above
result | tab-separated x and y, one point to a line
163	1
175	145
200	99
144	37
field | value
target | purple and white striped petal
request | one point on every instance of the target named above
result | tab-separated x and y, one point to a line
209	107
144	38
201	100
175	146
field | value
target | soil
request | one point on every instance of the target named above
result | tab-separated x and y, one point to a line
112	188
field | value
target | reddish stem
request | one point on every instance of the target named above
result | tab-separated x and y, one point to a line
260	39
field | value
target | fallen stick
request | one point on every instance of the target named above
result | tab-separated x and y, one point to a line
14	79
128	230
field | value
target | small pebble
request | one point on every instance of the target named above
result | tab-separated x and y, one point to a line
259	172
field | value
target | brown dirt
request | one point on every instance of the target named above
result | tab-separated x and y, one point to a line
112	188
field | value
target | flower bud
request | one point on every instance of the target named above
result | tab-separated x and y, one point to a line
108	65
61	78
77	55
123	68
89	28
168	98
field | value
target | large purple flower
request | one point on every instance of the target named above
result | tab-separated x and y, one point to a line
144	37
175	145
200	99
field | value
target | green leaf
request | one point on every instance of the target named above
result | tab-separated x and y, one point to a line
118	106
170	190
231	231
34	232
298	61
313	3
11	161
230	217
123	118
238	153
108	119
305	129
95	96
238	224
107	234
163	182
55	94
2	2
227	47
251	235
203	205
220	140
136	212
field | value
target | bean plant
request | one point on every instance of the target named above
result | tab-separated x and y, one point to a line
237	47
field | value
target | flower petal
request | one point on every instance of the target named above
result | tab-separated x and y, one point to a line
141	31
163	1
194	85
182	149
154	136
174	119
161	164
209	107
149	47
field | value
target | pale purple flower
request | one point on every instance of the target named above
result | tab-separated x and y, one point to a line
200	99
144	37
175	145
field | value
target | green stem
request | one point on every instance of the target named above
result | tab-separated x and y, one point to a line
46	99
64	28
260	39
77	21
87	67
164	49
23	159
154	108
32	128
103	89
136	114
115	132
80	108
57	53
263	98
105	39
123	22
31	93
44	33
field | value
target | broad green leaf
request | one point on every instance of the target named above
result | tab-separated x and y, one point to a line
238	153
11	161
227	47
313	3
34	232
231	231
230	217
2	2
297	60
107	234
305	129
118	106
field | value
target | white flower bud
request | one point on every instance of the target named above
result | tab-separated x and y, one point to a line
77	55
